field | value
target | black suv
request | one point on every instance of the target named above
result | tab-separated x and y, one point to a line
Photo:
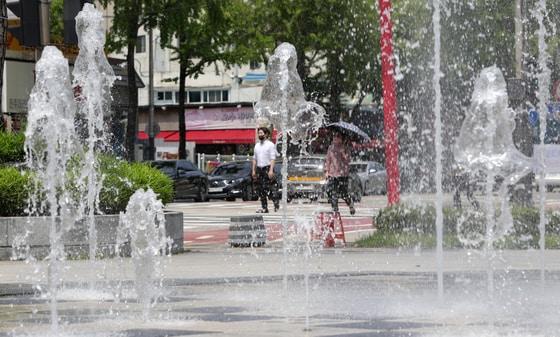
232	180
189	181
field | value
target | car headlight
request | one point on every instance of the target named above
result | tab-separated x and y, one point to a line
234	181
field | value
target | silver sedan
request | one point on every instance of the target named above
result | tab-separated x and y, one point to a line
372	175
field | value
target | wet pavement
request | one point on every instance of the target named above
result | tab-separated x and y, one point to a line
221	291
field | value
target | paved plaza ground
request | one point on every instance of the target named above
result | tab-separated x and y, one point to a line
347	292
213	289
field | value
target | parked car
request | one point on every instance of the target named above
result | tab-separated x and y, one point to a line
277	183
189	181
232	180
306	179
372	176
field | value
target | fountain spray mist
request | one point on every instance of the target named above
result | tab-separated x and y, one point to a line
93	79
143	224
437	141
50	144
543	96
283	105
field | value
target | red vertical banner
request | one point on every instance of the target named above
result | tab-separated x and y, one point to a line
390	121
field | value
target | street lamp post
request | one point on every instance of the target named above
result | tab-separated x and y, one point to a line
390	120
151	133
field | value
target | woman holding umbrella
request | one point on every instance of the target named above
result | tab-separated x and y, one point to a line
337	169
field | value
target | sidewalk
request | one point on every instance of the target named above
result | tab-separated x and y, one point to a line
211	264
239	292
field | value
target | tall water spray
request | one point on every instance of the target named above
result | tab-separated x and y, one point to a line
283	105
437	141
143	225
50	143
485	145
93	79
543	96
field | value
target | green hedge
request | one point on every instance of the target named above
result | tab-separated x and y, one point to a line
121	180
13	191
405	226
11	147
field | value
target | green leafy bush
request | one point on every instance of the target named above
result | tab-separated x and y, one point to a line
13	191
415	219
121	179
406	226
11	147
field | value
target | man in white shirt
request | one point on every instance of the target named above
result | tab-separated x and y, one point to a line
263	169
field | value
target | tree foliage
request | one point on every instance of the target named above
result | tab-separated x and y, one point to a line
201	33
337	42
56	18
129	16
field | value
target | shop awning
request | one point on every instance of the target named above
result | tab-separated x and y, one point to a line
162	135
230	136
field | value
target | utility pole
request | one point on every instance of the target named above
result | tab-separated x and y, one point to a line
44	19
517	93
151	133
390	121
3	36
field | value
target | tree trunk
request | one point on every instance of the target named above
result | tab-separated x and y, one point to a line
3	31
181	112
132	114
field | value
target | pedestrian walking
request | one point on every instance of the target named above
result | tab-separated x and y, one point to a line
263	169
337	170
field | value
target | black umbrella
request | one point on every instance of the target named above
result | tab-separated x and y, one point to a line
350	130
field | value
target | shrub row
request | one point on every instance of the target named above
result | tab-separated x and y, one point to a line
13	191
120	180
468	223
11	147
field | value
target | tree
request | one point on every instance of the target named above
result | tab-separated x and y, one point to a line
56	19
337	42
129	16
206	31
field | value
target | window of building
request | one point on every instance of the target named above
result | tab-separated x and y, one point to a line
141	44
214	96
164	97
194	96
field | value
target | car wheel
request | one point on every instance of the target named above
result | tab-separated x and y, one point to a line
246	195
550	188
